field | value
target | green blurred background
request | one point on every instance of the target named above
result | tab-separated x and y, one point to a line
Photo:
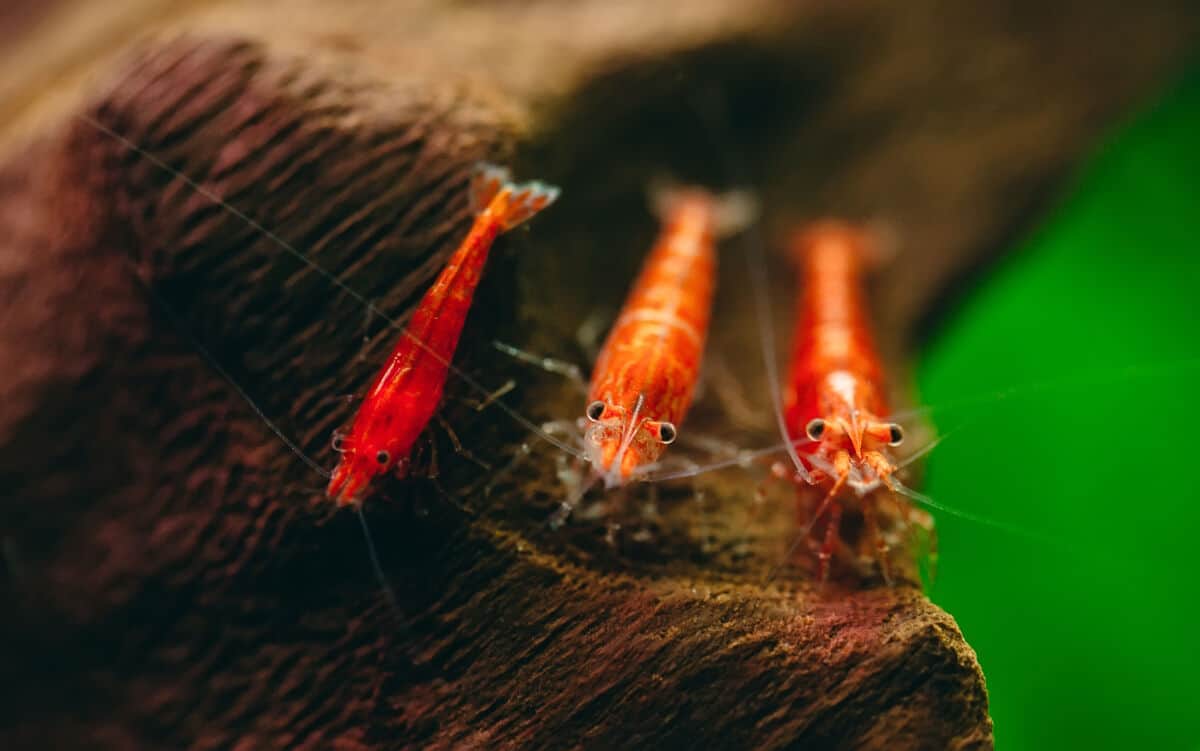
1087	631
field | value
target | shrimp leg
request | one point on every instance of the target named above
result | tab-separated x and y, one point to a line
841	464
825	557
568	370
480	405
882	549
882	468
458	446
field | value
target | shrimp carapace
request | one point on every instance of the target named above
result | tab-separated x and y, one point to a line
407	390
646	372
834	393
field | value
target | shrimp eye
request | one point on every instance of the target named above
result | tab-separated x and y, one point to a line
595	410
895	435
667	433
815	429
383	458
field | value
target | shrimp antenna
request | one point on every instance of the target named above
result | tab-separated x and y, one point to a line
757	263
286	246
388	592
1011	529
927	448
756	260
1098	377
743	458
213	363
647	473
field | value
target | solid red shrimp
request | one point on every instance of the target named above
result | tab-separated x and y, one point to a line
643	382
834	392
405	394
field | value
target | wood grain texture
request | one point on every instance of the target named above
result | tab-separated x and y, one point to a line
172	575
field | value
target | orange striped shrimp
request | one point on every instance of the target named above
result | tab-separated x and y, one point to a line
646	373
645	376
407	390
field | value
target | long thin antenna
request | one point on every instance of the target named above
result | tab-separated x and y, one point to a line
742	458
220	369
215	364
926	449
279	241
1091	378
756	261
388	592
1011	529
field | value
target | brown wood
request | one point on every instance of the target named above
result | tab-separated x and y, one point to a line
172	576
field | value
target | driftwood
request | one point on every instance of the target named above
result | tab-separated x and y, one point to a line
173	576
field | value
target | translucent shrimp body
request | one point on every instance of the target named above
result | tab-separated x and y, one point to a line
406	392
643	382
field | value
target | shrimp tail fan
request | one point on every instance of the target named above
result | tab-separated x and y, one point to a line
520	201
876	243
733	211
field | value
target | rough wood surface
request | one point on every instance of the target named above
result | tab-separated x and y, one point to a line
172	577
